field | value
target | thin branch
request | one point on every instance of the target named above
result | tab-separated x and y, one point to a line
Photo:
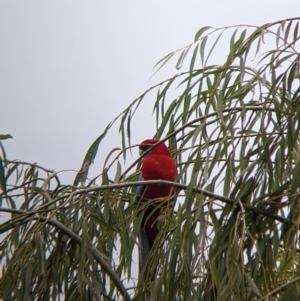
278	289
177	185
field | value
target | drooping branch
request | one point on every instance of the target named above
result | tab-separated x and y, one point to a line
206	193
98	257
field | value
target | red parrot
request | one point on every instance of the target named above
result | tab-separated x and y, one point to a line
157	165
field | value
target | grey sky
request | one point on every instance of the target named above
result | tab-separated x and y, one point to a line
68	67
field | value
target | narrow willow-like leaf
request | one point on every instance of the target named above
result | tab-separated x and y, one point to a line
240	41
258	45
182	57
7	136
296	30
278	36
90	156
163	61
202	49
232	40
283	24
242	68
283	59
196	133
193	60
291	78
200	32
212	48
166	118
2	180
287	32
128	128
220	101
118	172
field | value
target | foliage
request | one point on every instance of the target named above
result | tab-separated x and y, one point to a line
233	128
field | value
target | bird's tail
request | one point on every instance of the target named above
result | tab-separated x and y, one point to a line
144	250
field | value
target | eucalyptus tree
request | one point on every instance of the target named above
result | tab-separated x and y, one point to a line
230	115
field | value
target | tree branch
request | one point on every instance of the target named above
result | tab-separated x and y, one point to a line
180	186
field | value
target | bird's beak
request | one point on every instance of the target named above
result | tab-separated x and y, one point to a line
141	152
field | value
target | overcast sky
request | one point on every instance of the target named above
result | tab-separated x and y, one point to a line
68	67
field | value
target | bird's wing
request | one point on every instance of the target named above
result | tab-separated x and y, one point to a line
139	189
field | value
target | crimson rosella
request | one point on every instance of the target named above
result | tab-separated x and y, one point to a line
157	165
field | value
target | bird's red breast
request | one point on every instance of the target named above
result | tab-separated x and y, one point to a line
157	165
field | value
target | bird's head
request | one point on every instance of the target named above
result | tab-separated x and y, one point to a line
160	149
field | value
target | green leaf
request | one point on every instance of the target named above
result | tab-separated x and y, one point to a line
118	172
287	31
202	48
7	136
200	32
192	64
182	57
163	61
296	30
252	285
89	157
213	47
